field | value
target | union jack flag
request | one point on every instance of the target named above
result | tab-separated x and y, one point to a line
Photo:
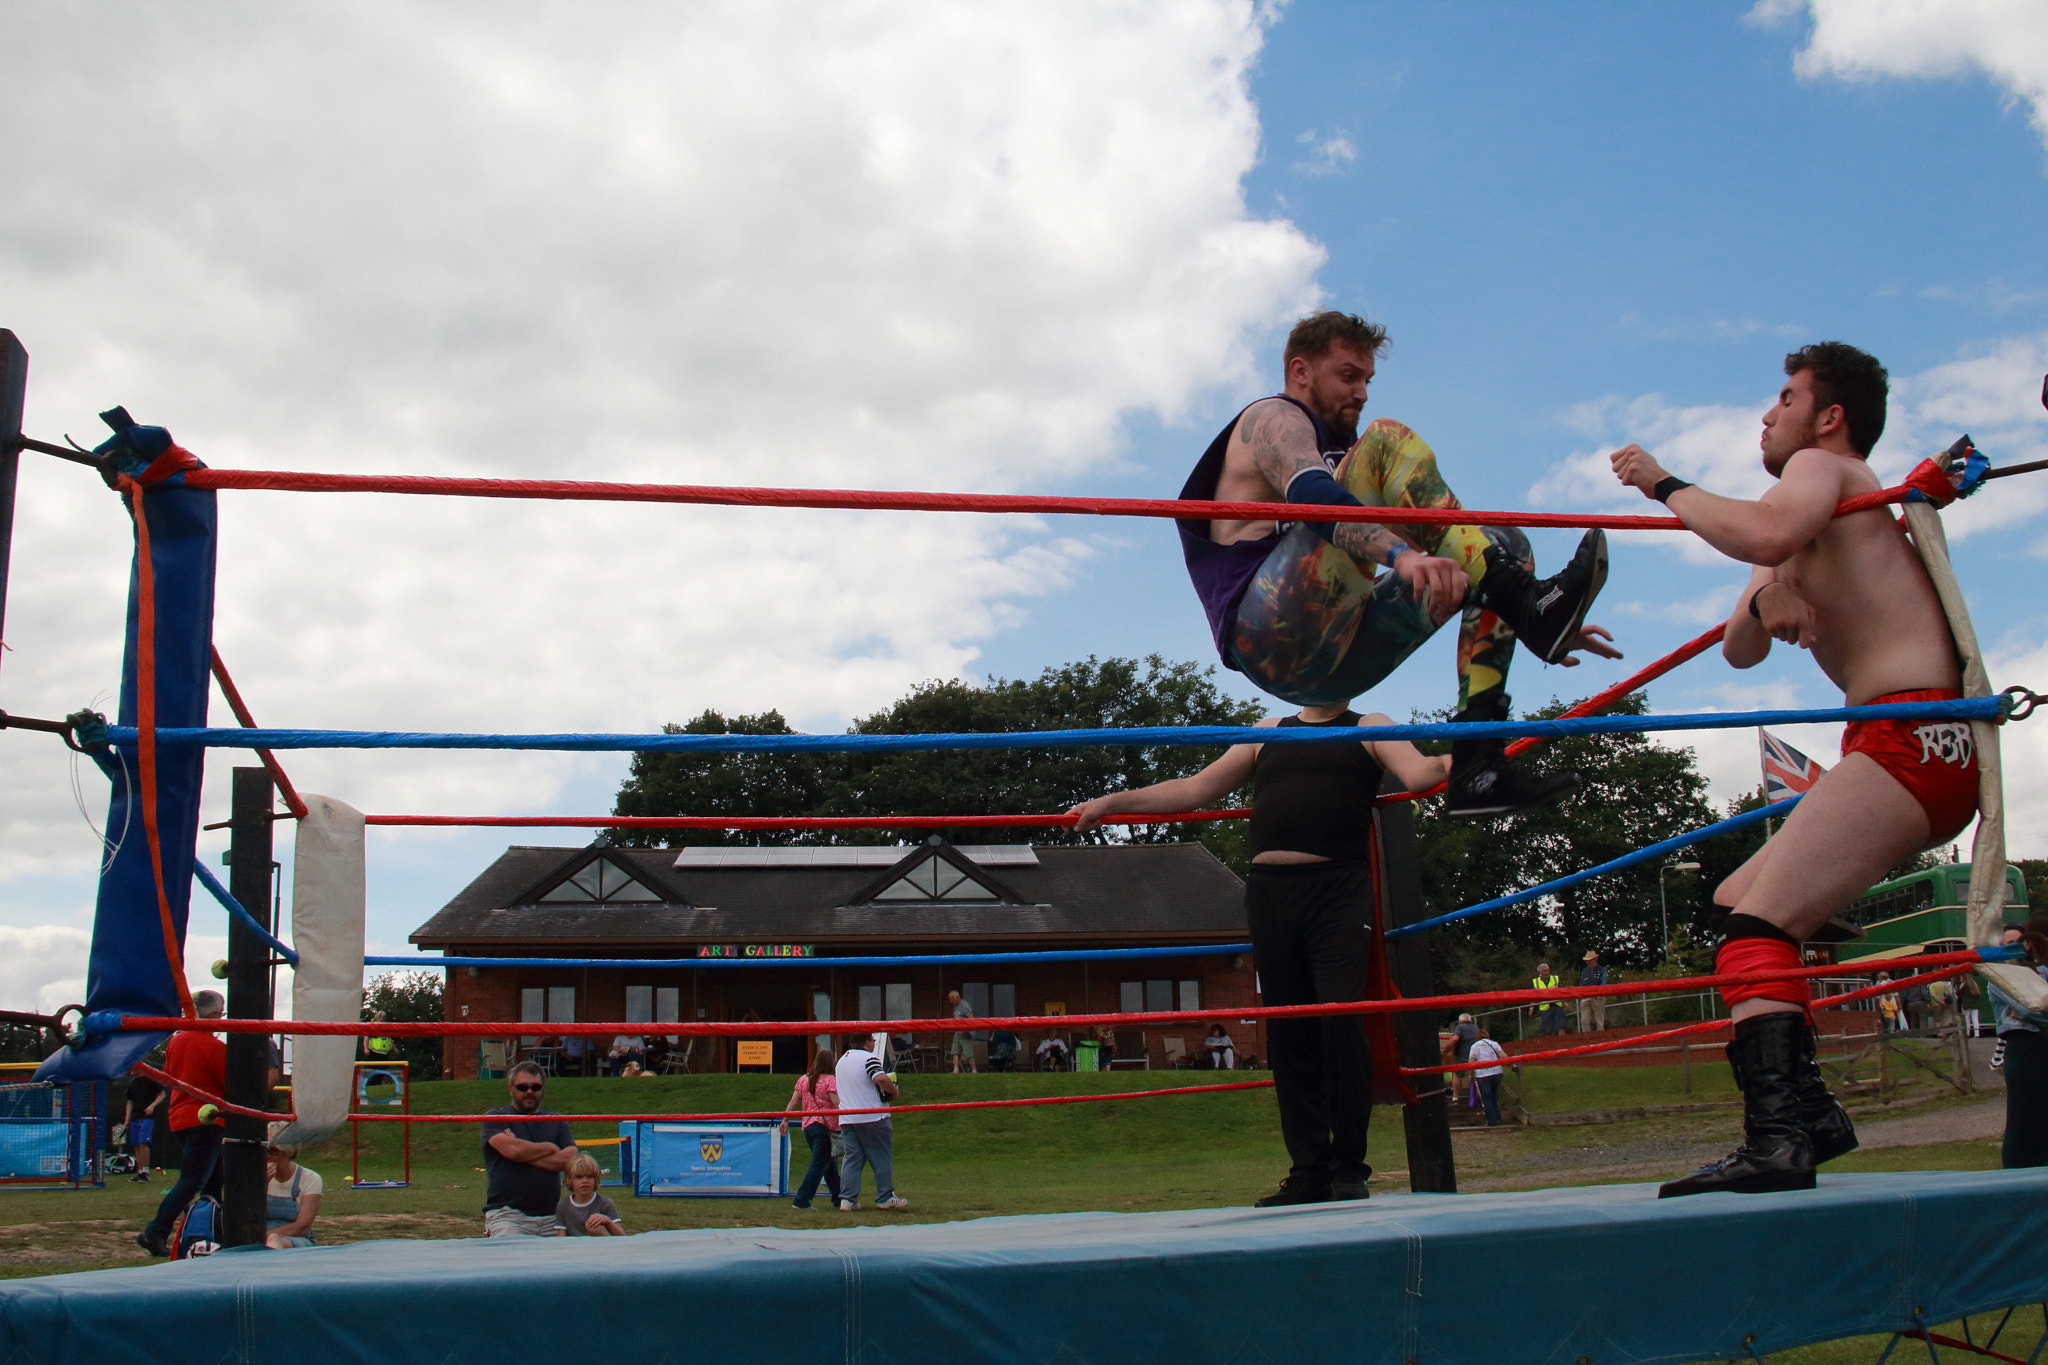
1787	772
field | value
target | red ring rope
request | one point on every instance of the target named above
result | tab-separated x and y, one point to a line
573	490
723	1029
1704	1026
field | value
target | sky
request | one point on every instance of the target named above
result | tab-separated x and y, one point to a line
1047	248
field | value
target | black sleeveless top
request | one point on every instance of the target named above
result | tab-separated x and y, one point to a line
1221	573
1315	798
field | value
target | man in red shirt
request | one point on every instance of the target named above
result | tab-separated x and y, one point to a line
198	1059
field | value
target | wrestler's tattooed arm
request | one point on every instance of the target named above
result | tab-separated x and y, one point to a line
1282	443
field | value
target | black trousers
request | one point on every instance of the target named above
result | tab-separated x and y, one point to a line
1311	931
2026	1098
198	1171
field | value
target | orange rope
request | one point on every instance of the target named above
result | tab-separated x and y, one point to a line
145	738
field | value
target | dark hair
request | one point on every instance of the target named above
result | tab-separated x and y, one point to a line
820	1064
1315	334
525	1069
1849	377
2034	934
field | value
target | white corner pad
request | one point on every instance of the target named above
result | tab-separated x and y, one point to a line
328	899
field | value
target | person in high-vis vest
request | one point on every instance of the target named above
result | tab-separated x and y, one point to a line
1551	1012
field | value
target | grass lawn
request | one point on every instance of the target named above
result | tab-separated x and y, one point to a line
1192	1151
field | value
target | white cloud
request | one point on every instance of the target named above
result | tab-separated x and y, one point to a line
1327	155
1993	393
2023	747
869	245
1862	40
43	967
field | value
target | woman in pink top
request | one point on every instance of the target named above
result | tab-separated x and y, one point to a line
817	1090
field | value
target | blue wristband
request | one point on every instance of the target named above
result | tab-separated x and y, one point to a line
1396	553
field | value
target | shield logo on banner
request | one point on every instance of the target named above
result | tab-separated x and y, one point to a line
711	1148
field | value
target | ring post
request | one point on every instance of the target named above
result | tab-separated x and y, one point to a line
13	394
244	1176
1427	1123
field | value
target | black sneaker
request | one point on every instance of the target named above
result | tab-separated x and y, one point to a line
1494	786
1295	1190
1545	613
142	1179
1341	1190
152	1242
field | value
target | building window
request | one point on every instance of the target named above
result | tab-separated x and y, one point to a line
546	1005
668	1008
1155	997
639	1004
885	1002
935	879
604	881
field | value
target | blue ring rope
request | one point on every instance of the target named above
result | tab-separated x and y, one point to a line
240	913
1641	855
1972	708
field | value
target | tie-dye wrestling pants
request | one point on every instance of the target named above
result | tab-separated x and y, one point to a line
1316	627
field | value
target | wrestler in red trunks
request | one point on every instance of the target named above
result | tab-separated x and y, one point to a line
1851	591
1934	760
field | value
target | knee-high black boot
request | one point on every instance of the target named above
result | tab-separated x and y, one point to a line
1772	1057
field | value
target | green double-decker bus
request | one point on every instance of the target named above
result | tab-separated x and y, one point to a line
1922	912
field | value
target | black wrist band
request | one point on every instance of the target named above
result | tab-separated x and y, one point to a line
1666	486
1753	609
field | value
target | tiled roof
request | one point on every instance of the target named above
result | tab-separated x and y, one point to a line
1168	892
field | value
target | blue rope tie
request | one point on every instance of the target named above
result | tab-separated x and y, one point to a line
240	913
1971	708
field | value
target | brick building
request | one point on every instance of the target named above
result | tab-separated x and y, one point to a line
805	907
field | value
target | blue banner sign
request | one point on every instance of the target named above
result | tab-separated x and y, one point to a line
719	1159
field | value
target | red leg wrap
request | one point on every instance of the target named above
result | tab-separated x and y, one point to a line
1761	955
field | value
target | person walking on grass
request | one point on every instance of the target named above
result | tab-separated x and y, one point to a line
818	1090
201	1061
139	1110
1487	1078
869	1138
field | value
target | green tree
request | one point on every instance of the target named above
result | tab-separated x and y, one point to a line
741	784
2035	870
1091	693
409	998
1635	792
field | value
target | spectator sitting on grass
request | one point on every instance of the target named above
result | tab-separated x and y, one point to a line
293	1199
523	1153
584	1212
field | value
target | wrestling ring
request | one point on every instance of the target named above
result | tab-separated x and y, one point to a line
1605	1274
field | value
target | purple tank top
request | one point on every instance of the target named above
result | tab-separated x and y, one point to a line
1221	573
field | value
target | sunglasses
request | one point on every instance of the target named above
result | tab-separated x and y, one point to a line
530	1089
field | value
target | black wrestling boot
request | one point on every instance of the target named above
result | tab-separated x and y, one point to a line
1545	613
1769	1056
1483	782
1296	1190
1828	1129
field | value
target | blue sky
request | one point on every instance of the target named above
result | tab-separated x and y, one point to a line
1048	249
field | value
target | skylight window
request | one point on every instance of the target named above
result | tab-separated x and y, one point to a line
602	881
935	879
